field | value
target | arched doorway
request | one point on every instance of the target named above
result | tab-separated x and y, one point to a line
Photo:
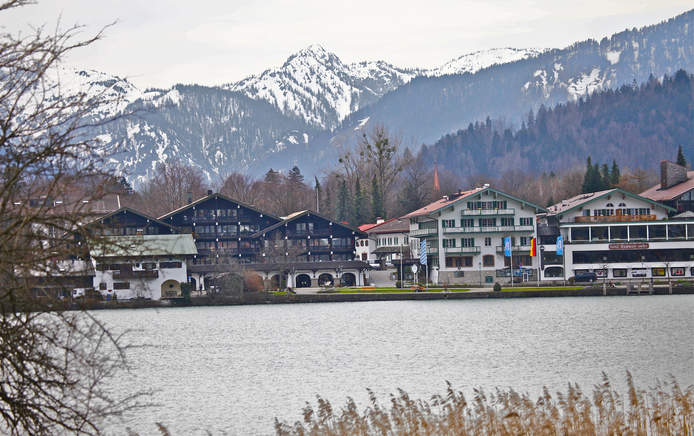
303	281
326	279
170	289
275	281
554	271
348	279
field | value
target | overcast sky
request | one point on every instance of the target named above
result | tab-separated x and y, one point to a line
163	42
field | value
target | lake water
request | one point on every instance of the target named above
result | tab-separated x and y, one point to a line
231	370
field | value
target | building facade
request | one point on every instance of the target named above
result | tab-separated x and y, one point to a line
617	235
676	188
465	232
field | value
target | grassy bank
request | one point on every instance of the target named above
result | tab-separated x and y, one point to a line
389	290
666	409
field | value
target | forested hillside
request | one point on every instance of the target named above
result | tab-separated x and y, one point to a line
634	125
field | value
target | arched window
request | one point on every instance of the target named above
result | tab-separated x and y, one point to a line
609	205
622	205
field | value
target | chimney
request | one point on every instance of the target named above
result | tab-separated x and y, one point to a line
671	174
209	192
190	197
379	220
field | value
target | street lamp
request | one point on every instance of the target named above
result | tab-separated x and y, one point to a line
604	274
480	264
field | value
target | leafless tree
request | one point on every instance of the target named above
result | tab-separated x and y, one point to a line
169	189
53	363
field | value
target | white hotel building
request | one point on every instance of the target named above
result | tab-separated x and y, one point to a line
465	232
617	235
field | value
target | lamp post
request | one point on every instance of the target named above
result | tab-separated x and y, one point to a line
604	274
480	264
669	282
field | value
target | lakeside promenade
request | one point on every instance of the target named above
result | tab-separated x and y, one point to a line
313	295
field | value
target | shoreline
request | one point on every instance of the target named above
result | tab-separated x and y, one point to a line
262	298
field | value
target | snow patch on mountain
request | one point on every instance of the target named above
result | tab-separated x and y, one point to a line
473	62
585	84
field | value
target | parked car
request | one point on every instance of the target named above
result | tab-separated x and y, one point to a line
585	276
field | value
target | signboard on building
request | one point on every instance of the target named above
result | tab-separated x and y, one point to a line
629	246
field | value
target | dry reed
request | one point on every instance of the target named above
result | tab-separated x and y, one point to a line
665	409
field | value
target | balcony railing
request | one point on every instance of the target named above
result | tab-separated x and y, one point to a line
487	212
614	218
136	274
489	229
470	250
514	249
423	232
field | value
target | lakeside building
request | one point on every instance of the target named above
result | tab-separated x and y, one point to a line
465	232
616	235
387	242
137	256
233	237
676	187
307	249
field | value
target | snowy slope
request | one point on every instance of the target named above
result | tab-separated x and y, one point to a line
473	62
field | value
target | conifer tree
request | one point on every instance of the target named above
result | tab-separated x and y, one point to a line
359	215
376	199
318	193
680	157
605	177
615	174
342	202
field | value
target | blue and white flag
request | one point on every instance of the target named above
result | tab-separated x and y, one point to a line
560	245
507	246
423	252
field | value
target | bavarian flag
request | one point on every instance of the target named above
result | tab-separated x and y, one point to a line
533	247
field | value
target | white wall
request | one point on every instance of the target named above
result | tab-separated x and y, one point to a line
140	287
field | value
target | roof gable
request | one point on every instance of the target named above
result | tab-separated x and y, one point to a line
306	213
443	203
582	200
215	196
124	210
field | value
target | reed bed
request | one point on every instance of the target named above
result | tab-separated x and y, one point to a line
665	409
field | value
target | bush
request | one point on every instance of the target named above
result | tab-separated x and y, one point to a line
398	284
497	287
253	282
186	289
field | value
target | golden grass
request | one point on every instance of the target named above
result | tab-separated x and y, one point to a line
665	409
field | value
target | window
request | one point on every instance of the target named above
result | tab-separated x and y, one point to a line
486	205
168	265
658	272
487	222
467	242
507	221
524	241
619	272
458	261
526	221
677	271
447	223
449	243
487	241
467	222
121	285
488	260
102	286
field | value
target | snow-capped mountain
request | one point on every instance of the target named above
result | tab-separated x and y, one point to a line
315	85
297	113
318	87
473	62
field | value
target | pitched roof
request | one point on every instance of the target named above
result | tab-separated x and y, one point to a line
365	227
293	216
441	203
393	225
216	195
146	245
136	212
582	199
655	193
450	200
